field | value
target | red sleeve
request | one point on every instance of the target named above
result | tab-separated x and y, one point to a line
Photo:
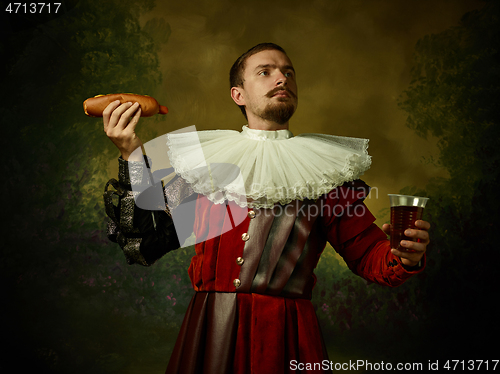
377	263
361	243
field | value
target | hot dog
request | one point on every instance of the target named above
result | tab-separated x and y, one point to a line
94	106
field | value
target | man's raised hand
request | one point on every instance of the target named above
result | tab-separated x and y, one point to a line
120	121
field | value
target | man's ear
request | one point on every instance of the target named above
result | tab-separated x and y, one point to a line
237	93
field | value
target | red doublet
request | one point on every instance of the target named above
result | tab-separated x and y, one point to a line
252	311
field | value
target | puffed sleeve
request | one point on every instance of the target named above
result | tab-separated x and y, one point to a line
351	231
144	235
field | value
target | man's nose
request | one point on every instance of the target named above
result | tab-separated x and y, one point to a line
281	80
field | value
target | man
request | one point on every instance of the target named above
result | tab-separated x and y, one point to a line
255	254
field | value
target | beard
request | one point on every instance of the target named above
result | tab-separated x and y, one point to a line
280	112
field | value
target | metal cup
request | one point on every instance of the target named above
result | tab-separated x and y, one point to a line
405	210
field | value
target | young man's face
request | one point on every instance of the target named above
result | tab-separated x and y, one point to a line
269	88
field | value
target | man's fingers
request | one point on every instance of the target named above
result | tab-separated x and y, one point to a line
130	127
124	114
417	234
408	245
423	225
410	250
407	248
106	114
115	116
421	235
411	254
115	113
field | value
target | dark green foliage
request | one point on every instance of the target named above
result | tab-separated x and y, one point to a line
75	306
358	317
454	96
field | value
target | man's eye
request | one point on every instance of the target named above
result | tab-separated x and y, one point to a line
264	73
289	75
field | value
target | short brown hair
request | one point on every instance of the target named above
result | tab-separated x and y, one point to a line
236	72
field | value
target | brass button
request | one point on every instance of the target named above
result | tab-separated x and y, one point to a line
245	237
240	261
251	214
237	283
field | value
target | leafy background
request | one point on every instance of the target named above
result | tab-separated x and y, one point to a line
386	70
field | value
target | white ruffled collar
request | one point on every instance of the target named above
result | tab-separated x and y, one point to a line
265	134
259	168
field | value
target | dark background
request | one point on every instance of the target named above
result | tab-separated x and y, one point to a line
419	78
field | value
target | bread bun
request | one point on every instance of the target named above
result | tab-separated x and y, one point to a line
94	106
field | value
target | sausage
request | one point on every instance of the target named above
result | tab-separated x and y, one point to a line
94	106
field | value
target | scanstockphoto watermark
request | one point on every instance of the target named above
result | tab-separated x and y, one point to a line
338	202
319	208
354	365
335	193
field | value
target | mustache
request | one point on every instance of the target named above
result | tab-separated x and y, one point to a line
277	89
